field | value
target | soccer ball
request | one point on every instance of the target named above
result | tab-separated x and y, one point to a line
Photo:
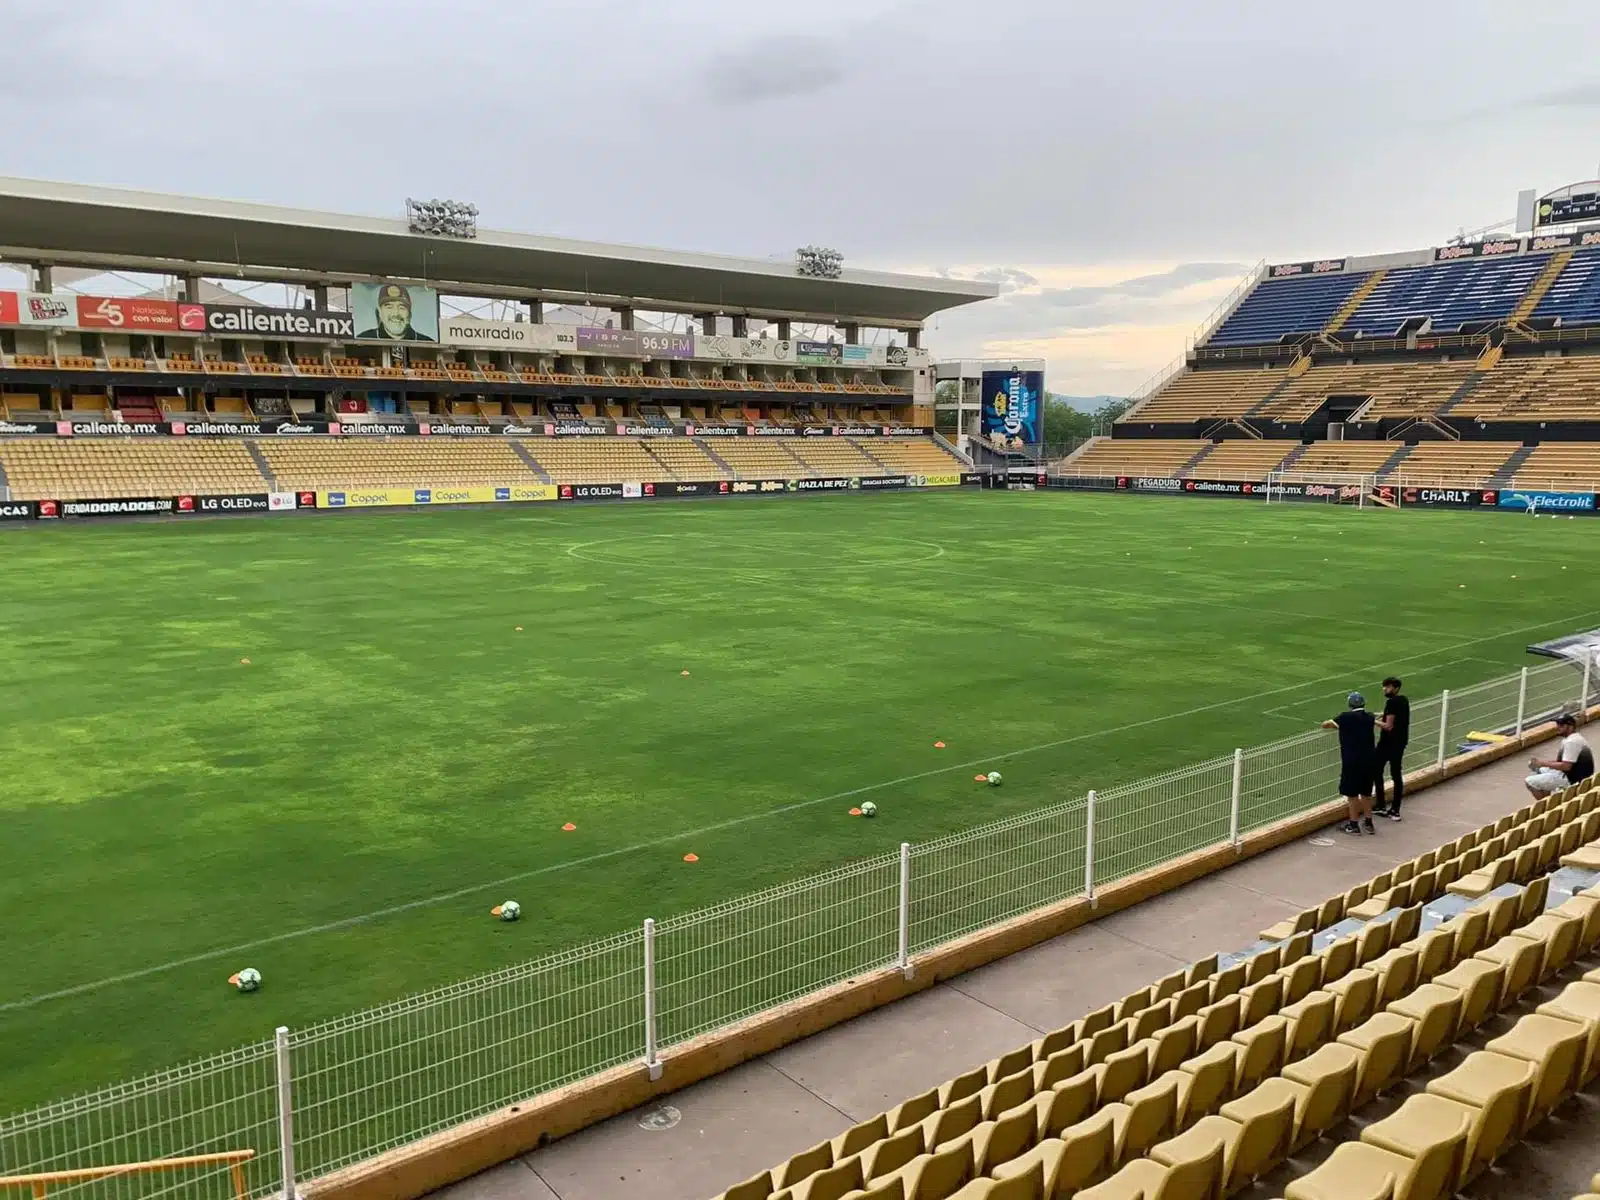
994	778
510	910
869	809
247	980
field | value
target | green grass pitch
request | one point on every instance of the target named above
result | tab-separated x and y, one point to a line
396	744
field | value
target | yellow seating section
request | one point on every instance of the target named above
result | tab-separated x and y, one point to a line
1561	466
1199	395
397	462
1357	458
758	458
1453	463
1397	389
915	456
1206	1081
1242	459
833	456
594	460
63	469
1136	456
1537	389
687	459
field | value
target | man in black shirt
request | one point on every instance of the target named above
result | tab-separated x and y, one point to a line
1355	728
1394	731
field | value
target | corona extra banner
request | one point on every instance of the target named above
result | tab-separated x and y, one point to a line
1011	406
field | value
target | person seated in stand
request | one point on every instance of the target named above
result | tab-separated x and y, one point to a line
1573	763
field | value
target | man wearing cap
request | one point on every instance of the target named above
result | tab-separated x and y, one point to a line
394	317
1573	763
1355	726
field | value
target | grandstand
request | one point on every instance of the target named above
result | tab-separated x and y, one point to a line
103	394
1466	365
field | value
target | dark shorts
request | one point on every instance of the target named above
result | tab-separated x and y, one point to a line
1355	781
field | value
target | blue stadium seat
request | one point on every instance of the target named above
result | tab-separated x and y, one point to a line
1575	295
1453	294
1279	308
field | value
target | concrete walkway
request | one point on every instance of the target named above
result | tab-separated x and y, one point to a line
720	1131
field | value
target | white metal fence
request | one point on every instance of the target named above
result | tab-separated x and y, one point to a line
320	1098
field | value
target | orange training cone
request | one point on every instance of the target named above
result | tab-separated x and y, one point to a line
495	911
855	812
683	673
938	745
568	827
244	662
691	858
980	779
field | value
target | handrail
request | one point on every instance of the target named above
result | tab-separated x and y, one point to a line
40	1181
1154	384
1224	310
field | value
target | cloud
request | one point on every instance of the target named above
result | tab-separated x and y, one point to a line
782	66
1009	279
1586	95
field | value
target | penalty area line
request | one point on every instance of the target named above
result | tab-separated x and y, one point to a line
733	822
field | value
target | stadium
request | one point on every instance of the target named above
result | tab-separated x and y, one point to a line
908	812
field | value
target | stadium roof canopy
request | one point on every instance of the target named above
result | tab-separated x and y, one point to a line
75	225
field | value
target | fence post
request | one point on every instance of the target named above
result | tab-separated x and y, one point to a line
285	1112
651	1062
904	921
1522	702
1588	665
1444	725
1088	852
1233	806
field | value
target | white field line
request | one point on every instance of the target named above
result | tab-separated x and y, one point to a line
749	818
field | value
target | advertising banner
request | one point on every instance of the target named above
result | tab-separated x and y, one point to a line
38	308
862	356
822	485
818	353
772	431
281	502
402	497
574	429
138	315
952	480
143	506
216	428
508	335
1490	249
1440	497
878	483
371	428
1011	406
27	428
897	356
1088	483
237	502
462	429
394	312
719	487
1134	483
1523	500
757	487
1321	266
18	510
634	343
590	491
248	320
743	349
626	430
713	431
110	428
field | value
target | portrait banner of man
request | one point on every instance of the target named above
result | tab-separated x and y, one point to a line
395	312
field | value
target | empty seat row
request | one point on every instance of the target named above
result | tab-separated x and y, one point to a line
1111	1055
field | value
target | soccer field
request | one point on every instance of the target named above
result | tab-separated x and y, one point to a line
720	678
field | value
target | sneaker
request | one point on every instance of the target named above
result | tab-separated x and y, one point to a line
1367	826
1350	827
1391	814
1381	811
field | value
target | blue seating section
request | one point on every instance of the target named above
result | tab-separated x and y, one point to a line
1453	294
1575	295
1278	308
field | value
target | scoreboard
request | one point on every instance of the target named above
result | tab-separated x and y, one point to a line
1576	202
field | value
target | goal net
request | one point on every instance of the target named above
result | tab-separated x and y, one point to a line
1324	487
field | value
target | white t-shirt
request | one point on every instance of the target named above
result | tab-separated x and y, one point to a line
1572	746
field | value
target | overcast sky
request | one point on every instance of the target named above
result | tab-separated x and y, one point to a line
1116	166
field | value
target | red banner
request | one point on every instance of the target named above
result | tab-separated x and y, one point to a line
134	315
9	315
